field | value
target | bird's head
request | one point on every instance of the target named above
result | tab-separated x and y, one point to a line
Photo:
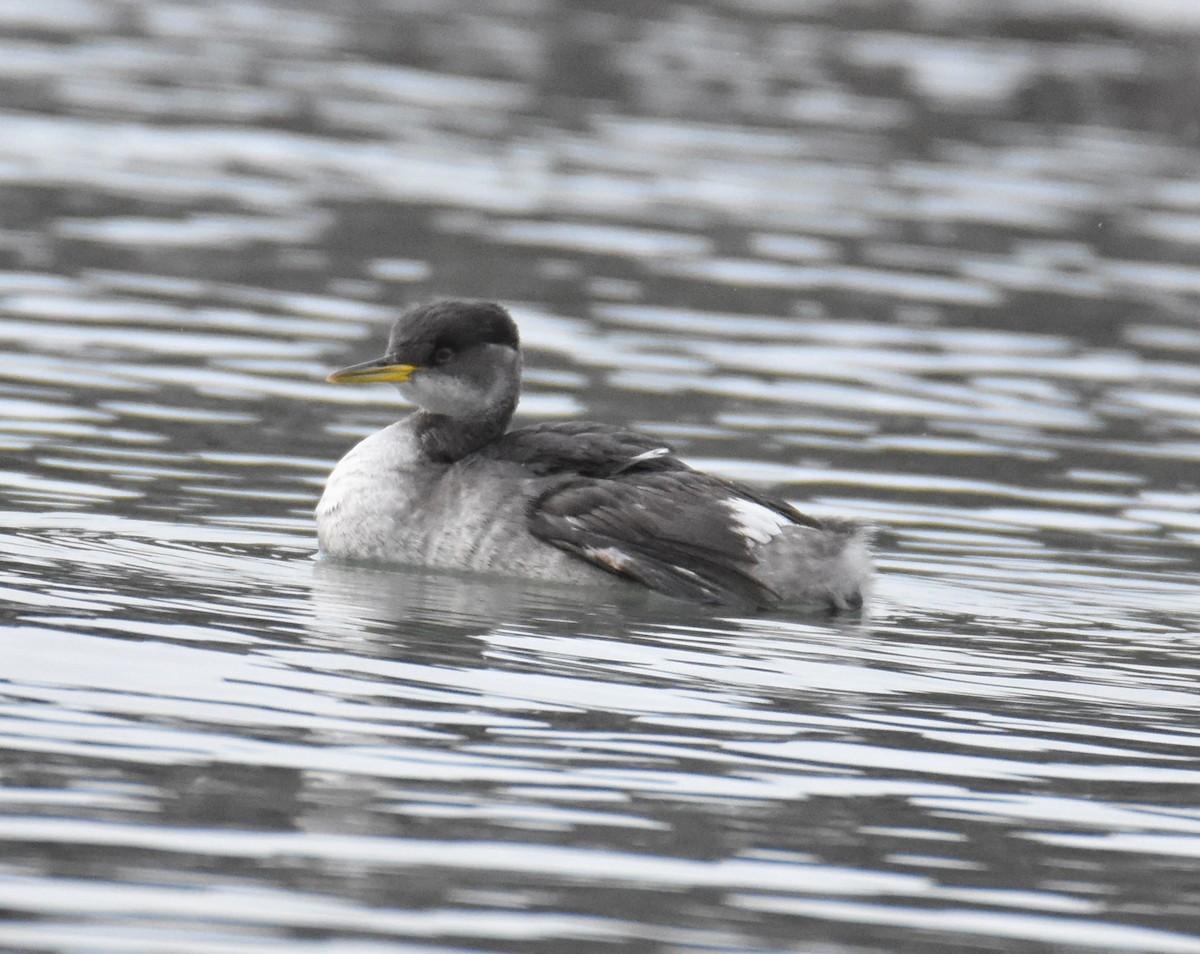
456	358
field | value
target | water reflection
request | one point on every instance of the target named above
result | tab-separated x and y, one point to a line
933	267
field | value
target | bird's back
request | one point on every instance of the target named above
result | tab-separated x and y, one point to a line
622	501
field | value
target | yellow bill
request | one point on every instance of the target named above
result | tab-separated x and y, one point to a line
369	371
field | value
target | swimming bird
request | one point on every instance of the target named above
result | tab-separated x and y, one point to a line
451	487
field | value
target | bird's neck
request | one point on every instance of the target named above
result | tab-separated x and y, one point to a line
446	439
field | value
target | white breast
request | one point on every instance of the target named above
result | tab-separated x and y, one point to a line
387	503
369	497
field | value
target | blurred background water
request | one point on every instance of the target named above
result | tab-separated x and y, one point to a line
932	263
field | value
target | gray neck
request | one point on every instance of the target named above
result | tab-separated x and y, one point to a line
446	439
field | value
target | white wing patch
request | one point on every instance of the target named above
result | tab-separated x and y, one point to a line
754	521
650	455
609	556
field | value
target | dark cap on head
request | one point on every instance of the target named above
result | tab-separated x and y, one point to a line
456	324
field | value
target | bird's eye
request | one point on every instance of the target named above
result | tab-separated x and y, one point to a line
442	355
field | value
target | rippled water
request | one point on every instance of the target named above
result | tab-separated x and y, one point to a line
936	266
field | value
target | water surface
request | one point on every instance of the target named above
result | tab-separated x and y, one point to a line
937	268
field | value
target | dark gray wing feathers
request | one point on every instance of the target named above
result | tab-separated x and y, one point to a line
583	448
665	529
625	503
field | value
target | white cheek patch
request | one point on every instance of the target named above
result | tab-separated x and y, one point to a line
754	521
442	394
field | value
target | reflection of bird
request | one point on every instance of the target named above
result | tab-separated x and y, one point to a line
450	487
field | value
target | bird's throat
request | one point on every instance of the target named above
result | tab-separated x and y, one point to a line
446	439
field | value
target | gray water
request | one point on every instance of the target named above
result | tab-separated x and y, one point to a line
935	265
